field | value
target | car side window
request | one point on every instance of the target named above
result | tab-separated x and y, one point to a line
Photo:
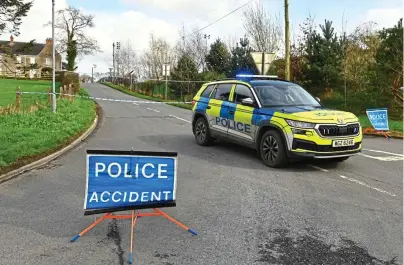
222	92
207	91
241	92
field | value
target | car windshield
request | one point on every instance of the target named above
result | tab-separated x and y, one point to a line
284	94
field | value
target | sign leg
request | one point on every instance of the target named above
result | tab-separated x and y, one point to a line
134	217
176	222
90	227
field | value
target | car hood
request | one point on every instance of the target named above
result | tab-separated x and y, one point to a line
308	113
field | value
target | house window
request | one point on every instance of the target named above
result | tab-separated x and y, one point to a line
48	61
32	60
19	59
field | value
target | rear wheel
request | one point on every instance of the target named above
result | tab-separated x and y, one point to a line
202	134
272	149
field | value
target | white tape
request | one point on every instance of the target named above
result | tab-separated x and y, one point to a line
113	100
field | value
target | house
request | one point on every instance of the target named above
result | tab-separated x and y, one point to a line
30	59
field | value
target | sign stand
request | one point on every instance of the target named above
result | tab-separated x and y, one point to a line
379	120
119	181
133	217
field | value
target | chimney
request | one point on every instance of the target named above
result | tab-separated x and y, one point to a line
11	40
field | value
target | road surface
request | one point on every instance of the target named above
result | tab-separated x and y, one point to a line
244	212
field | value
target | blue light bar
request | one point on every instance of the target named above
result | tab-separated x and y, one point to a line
252	76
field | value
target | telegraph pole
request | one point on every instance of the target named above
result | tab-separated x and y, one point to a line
113	60
53	59
287	42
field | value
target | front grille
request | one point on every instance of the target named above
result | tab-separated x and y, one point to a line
299	144
335	130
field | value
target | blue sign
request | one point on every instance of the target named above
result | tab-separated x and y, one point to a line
378	118
129	180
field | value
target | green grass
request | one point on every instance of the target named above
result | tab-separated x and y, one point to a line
139	95
23	136
8	90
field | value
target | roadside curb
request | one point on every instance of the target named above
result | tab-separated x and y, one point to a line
51	157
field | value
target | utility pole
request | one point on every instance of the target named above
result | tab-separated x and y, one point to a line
113	59
287	42
53	59
206	37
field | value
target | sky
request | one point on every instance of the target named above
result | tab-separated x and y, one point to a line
135	20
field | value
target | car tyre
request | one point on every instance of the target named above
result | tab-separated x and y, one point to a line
272	149
202	133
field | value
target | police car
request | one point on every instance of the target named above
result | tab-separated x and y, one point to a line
278	118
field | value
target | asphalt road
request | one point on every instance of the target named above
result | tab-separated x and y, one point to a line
244	212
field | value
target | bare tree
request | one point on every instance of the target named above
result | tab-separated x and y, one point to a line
71	38
126	59
151	62
264	30
231	42
192	44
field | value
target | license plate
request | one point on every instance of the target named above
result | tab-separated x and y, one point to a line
341	143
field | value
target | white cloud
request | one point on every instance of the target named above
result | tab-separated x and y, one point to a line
387	17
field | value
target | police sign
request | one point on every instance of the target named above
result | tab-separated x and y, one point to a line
123	180
378	118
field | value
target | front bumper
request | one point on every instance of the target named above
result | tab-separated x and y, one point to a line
308	143
302	148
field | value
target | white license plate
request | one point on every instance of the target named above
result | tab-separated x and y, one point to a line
340	143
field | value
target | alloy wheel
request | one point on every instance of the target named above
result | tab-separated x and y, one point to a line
200	131
270	148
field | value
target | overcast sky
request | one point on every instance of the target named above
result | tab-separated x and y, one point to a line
120	20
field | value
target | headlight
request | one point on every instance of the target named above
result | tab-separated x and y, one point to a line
300	124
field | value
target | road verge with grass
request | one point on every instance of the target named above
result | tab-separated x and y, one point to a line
36	132
396	127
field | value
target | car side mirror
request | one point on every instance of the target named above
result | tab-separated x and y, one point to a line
248	102
318	99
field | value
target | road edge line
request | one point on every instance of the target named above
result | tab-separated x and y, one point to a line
9	175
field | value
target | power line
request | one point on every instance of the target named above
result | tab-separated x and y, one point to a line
205	14
228	14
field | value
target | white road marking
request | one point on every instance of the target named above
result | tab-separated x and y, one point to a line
384	152
179	118
153	110
319	168
135	104
367	186
384	158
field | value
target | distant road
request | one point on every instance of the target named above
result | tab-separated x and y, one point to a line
244	212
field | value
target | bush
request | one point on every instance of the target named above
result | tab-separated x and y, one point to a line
67	78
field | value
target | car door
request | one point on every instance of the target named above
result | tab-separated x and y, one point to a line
241	127
219	108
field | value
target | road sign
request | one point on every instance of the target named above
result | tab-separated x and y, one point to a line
130	180
166	70
263	60
123	180
378	118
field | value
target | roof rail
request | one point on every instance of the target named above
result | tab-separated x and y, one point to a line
223	79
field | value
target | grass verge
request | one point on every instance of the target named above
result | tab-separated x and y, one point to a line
396	127
28	136
139	95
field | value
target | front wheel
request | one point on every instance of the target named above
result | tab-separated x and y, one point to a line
272	149
202	134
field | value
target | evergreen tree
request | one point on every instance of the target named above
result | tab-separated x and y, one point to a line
186	70
218	57
241	60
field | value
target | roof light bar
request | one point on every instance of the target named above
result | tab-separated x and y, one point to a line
265	76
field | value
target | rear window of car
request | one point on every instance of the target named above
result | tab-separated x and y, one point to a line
207	91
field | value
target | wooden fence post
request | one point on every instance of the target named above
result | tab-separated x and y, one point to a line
49	96
18	99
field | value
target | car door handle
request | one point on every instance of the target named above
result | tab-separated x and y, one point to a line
208	107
